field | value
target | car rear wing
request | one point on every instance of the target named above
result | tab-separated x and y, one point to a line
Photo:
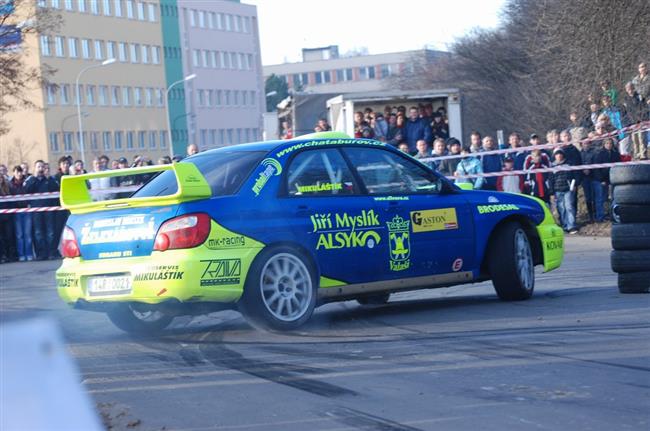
76	196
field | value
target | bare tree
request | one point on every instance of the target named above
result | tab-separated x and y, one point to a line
18	20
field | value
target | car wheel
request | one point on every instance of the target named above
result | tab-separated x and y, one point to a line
630	260
631	236
510	262
374	299
280	291
635	194
634	282
129	319
635	174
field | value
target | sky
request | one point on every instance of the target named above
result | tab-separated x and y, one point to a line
287	26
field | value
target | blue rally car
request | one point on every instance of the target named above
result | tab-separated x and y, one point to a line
277	228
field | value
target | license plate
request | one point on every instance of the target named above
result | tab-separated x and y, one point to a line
109	285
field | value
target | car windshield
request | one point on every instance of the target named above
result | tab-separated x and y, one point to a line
224	171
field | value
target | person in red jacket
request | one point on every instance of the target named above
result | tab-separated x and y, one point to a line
511	183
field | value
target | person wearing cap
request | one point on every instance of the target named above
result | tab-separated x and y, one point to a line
469	165
448	167
511	183
562	185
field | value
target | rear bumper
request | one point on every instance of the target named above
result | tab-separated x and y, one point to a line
192	275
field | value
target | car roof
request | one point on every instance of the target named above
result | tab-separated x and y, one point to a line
281	144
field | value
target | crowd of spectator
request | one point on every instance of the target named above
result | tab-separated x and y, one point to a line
30	236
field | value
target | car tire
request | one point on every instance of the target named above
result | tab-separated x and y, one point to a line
635	174
379	299
631	213
624	261
129	319
510	263
635	194
634	282
280	279
631	236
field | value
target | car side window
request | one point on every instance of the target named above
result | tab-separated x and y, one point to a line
319	173
384	172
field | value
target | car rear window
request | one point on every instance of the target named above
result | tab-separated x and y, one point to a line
224	171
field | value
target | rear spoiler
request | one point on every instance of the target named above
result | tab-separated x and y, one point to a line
75	195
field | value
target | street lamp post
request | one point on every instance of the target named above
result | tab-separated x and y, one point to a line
169	128
81	133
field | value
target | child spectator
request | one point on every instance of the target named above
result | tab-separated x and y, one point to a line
469	165
537	182
562	184
511	183
448	167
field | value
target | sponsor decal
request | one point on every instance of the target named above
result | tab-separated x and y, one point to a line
554	244
391	198
343	230
457	265
118	229
226	242
317	188
160	272
221	272
486	209
271	167
431	220
66	279
399	243
493	200
324	142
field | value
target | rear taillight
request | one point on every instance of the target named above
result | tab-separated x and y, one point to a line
186	231
69	246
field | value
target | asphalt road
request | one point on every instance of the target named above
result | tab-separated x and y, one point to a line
576	356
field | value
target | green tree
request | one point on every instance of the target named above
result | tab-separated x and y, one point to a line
278	89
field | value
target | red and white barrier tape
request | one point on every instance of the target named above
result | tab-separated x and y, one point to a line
52	195
637	128
30	210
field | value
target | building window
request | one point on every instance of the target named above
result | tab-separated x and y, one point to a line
235	97
152	139
227	97
367	72
45	46
160	97
228	22
211	18
103	95
129	140
81	6
55	4
223	57
51	94
155	54
318	77
68	5
126	96
110	49
107	7
65	94
54	142
237	23
222	137
219	21
229	133
151	9
135	47
213	59
106	141
140	11
233	60
94	140
78	94
115	95
201	19
195	58
90	95
67	141
122	52
163	139
129	9
58	46
137	96
145	54
253	100
204	137
85	48
119	137
217	102
201	97
249	61
243	98
142	138
94	7
192	15
213	138
72	47
209	98
118	8
149	96
246	24
98	50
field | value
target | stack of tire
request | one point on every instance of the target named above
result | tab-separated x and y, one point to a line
631	229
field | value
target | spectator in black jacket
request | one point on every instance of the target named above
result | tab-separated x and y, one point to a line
448	167
562	184
589	157
7	249
636	110
43	222
608	154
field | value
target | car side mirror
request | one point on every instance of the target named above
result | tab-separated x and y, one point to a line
465	186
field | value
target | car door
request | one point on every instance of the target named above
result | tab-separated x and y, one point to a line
429	226
328	215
